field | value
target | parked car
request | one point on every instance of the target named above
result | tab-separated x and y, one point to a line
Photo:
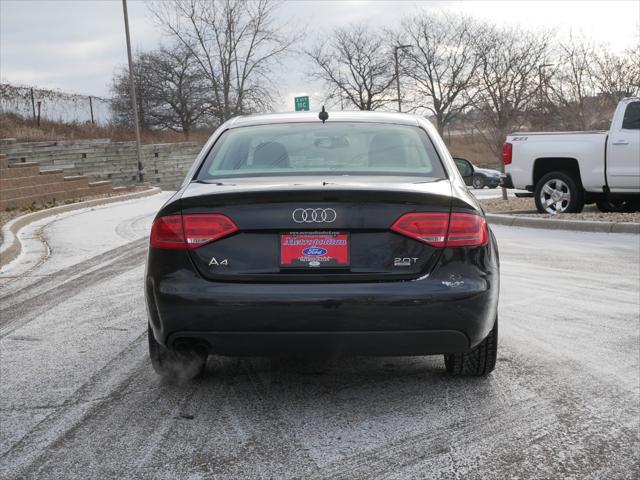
357	235
482	177
566	170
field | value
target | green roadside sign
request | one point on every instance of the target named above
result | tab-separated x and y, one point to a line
301	104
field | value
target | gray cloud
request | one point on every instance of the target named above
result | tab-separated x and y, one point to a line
76	45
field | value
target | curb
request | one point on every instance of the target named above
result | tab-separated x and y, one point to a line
575	225
11	246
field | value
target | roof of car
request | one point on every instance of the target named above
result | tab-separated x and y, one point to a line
310	117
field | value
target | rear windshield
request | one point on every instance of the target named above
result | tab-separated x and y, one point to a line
312	149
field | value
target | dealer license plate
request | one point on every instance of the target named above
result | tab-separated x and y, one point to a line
314	250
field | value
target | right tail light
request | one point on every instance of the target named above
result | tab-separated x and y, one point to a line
444	230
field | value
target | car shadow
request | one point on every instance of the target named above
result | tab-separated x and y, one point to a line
283	378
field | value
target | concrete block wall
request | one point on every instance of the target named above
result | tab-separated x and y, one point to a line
164	165
23	184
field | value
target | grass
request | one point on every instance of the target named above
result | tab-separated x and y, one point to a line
472	149
25	130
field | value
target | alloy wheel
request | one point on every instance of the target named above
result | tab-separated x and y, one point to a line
555	196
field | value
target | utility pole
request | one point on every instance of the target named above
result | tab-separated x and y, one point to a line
134	103
395	56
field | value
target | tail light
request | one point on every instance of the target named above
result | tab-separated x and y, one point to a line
428	228
467	230
507	153
190	231
444	230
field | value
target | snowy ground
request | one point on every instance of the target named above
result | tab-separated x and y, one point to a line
80	400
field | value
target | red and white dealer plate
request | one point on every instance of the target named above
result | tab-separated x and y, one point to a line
314	250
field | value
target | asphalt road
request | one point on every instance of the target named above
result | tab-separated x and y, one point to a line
79	398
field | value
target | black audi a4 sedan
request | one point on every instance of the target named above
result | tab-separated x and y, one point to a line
291	235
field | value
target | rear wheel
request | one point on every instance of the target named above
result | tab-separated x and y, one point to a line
559	192
478	361
176	364
478	182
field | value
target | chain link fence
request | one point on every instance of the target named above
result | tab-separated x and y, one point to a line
42	104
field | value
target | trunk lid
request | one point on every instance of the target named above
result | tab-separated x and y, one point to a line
358	211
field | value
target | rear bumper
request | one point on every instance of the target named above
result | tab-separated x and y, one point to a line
450	310
398	342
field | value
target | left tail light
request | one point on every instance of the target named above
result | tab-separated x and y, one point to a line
443	230
190	231
507	153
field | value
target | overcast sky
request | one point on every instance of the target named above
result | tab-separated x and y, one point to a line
75	46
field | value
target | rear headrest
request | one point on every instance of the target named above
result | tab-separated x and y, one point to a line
386	150
271	155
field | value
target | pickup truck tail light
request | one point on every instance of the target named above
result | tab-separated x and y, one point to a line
507	153
444	230
189	231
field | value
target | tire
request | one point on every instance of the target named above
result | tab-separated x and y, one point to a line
478	182
179	364
607	205
477	362
559	192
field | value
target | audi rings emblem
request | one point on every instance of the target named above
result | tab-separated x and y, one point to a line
314	215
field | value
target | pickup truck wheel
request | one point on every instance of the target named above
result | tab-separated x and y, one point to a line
479	361
559	192
478	182
606	205
179	364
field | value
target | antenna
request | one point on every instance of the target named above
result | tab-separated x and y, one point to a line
323	115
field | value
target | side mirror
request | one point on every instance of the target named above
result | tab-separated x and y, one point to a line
464	167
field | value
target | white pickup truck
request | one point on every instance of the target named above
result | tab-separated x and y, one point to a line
566	170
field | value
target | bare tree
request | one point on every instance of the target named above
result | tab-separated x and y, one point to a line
178	95
171	92
356	65
567	93
442	64
235	44
587	82
617	76
508	79
121	92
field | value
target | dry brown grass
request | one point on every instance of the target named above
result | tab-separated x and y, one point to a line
25	130
474	150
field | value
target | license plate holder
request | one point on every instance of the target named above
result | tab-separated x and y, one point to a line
303	250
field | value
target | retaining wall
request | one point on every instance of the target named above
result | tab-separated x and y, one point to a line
23	184
164	165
